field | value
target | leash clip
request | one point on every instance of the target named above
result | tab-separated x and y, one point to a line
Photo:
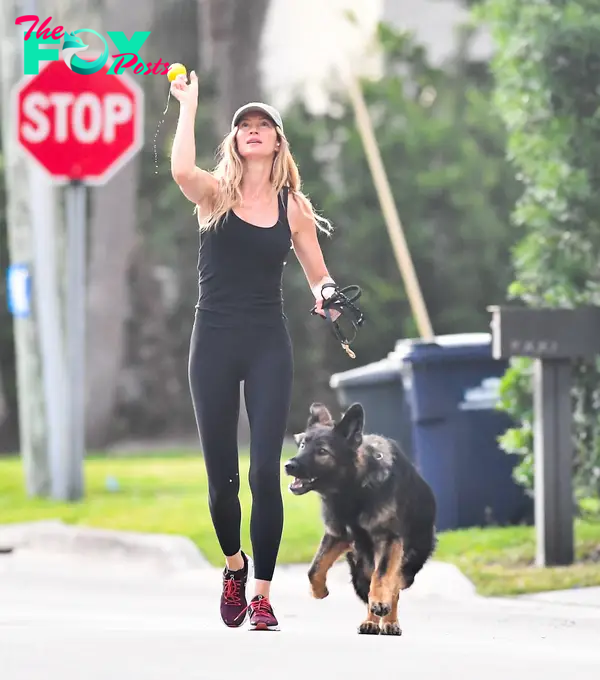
349	352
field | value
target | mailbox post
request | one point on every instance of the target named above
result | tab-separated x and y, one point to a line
554	338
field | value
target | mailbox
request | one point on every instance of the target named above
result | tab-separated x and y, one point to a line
545	333
554	338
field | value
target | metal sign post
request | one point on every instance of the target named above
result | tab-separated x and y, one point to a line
71	485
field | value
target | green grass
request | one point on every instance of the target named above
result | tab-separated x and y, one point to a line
159	493
500	561
165	492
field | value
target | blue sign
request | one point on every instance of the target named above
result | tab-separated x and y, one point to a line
18	280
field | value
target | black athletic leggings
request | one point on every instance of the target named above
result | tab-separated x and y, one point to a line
219	359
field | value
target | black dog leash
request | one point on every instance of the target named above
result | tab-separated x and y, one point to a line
343	302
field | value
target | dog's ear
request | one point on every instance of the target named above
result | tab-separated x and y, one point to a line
299	437
352	423
319	414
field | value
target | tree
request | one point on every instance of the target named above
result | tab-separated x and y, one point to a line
547	70
230	52
113	226
444	154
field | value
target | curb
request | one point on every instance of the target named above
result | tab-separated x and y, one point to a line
174	552
179	553
443	579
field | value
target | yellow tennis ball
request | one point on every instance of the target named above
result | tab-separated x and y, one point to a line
174	70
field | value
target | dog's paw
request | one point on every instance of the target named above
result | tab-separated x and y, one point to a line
391	628
319	590
380	608
369	628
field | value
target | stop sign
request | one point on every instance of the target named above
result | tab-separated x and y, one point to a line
79	127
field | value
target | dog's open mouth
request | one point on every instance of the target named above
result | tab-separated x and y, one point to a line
300	486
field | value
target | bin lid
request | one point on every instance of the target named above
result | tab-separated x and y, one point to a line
445	347
384	370
484	397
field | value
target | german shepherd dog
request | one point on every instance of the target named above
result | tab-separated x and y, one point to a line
376	508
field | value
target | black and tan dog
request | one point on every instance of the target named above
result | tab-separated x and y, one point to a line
376	508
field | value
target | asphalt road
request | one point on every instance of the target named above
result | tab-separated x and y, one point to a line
81	619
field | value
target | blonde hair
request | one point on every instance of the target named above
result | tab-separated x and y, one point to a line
229	172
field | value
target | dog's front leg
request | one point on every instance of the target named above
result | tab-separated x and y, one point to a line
386	583
389	623
330	548
370	626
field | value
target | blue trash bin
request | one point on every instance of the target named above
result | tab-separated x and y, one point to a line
379	388
451	386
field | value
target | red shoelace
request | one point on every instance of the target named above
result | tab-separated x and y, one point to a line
231	591
262	606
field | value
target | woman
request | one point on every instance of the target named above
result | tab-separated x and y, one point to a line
251	212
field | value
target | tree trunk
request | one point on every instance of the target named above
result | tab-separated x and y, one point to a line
231	32
112	240
112	236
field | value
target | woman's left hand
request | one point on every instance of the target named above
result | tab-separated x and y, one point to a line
319	310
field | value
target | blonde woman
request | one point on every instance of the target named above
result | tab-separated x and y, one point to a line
251	212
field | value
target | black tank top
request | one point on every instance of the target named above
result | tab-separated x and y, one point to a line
240	268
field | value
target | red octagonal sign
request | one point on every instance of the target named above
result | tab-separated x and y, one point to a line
79	127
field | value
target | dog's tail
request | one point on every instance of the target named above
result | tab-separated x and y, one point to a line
416	556
359	570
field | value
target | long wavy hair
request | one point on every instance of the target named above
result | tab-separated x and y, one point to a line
229	171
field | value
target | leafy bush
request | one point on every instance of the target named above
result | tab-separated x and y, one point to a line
547	70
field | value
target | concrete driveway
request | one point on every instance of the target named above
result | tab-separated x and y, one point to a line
66	617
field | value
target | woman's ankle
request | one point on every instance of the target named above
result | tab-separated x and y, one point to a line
235	562
262	588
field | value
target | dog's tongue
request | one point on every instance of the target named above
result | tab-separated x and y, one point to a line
296	484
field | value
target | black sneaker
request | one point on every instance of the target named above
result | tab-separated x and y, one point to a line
233	597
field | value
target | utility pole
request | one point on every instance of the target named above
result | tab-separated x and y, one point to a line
31	275
390	212
350	79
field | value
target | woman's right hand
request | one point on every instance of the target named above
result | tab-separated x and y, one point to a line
186	94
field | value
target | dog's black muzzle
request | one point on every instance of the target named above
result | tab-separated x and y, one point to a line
302	482
292	467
